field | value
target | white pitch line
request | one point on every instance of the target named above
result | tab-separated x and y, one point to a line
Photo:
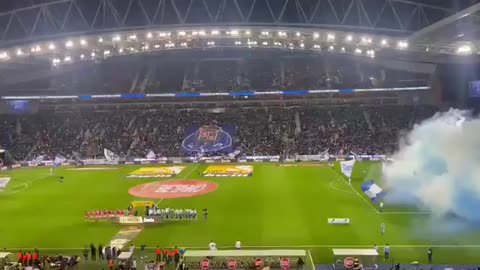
279	247
359	195
338	189
376	210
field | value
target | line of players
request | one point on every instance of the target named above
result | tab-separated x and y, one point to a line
173	214
105	214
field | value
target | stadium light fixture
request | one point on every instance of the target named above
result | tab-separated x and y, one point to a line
282	34
55	61
265	43
298	34
316	46
132	37
331	48
211	43
183	44
265	33
100	40
149	35
302	45
215	32
342	49
464	49
330	37
182	33
106	52
402	44
93	54
83	42
51	46
238	43
194	33
19	52
3	55
349	38
116	38
120	50
146	47
69	44
247	32
32	50
371	53
358	51
164	34
67	59
82	56
202	33
316	35
384	42
156	46
234	33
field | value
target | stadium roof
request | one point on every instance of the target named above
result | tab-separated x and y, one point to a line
424	28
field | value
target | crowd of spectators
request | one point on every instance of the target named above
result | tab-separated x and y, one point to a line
258	131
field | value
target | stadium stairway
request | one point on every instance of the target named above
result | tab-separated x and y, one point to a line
366	115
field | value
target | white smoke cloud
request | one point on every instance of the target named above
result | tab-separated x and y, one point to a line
438	167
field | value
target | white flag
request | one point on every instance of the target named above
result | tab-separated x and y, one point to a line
347	167
151	155
109	155
3	182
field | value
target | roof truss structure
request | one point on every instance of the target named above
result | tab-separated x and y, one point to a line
67	17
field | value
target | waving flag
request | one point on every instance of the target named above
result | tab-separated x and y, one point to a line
59	159
373	191
347	167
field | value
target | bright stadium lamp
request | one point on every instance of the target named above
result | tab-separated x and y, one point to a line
238	43
3	55
202	33
247	33
69	44
316	35
349	38
330	37
106	52
93	54
132	37
316	46
83	42
51	46
100	40
55	61
182	33
358	51
116	38
82	56
32	50
67	59
384	42
342	49
298	34
120	50
234	33
402	44
215	32
464	49
331	48
19	52
183	44
302	45
194	33
149	35
156	46
265	43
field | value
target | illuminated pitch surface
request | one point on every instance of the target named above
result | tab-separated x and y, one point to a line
278	206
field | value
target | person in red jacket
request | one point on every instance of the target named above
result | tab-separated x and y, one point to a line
158	251
35	257
20	256
170	256
165	255
25	257
29	259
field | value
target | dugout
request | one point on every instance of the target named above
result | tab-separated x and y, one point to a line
247	259
343	258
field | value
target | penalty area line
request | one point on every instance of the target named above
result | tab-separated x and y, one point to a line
360	195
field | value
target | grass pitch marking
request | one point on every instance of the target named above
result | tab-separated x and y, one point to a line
186	176
25	185
332	185
375	209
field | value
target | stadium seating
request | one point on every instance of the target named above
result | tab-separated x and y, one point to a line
259	131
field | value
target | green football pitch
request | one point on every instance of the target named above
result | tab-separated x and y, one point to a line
277	207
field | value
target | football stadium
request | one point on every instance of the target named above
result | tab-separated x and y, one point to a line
239	134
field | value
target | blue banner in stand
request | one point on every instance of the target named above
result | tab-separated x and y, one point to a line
208	140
